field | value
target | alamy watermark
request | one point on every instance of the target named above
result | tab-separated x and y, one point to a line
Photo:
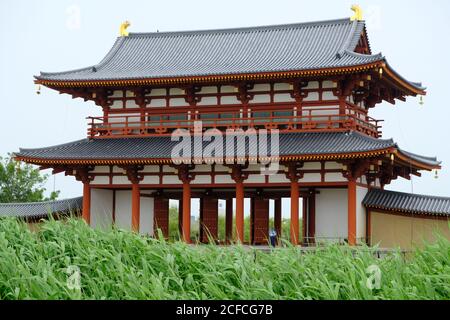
73	281
213	146
374	277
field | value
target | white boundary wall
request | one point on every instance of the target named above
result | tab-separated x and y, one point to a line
331	214
101	210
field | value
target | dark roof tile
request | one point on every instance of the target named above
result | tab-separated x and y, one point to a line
40	209
407	202
278	48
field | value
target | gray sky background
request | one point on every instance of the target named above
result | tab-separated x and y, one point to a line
61	35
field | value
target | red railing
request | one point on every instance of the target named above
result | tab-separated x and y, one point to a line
286	120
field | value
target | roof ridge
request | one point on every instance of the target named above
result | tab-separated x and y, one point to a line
242	29
366	137
348	40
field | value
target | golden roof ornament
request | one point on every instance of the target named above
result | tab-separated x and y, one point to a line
358	16
123	29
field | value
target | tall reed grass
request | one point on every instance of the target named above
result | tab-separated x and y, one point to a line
121	265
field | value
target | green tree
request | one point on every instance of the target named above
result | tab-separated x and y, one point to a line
20	182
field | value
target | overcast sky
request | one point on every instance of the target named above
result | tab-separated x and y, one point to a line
61	35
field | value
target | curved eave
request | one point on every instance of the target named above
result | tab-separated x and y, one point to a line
421	165
402	82
311	157
210	78
407	86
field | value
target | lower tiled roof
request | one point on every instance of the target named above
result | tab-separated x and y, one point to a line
34	210
407	202
161	147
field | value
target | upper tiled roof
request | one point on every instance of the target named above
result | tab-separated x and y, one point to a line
35	210
278	48
299	144
406	202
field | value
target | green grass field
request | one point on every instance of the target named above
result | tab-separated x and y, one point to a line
122	265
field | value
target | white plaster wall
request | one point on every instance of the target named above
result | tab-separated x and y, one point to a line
176	91
229	100
158	92
223	179
312	96
101	169
360	213
281	86
150	180
121	180
331	214
178	102
100	180
256	178
208	90
157	103
331	165
278	178
312	166
328	84
261	87
101	208
311	177
171	180
328	95
261	98
123	209
202	179
227	89
312	85
283	97
334	177
151	169
146	216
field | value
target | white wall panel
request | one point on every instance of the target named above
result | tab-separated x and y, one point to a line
360	212
331	214
150	180
100	180
224	179
311	177
123	209
146	216
335	177
101	208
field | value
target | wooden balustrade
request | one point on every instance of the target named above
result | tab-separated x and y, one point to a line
286	120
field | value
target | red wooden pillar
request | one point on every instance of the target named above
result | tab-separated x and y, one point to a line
277	218
161	216
86	202
260	221
209	215
351	216
240	211
295	194
186	212
229	220
135	206
186	177
135	177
